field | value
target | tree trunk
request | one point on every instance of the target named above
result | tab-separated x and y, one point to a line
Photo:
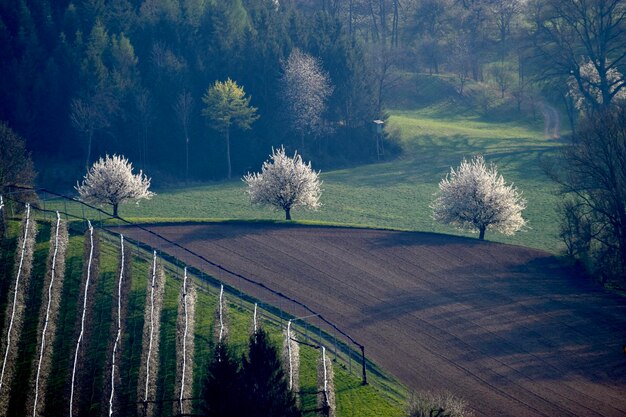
186	159
115	209
89	137
230	170
288	214
481	236
350	18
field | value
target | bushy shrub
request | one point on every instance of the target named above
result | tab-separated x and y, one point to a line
444	404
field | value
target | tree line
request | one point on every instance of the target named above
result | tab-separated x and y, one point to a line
86	77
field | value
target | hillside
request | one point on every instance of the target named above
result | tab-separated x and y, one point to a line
506	327
352	398
397	191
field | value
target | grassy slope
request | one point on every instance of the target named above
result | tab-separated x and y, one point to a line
436	129
353	399
397	193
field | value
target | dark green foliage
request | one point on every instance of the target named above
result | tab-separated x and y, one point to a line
16	167
264	384
222	391
126	62
256	386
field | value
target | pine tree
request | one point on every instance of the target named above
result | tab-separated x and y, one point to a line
221	395
265	386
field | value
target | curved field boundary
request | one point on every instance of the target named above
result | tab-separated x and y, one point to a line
505	327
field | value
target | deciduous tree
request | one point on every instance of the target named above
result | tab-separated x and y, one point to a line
16	167
227	105
285	183
111	181
475	197
87	117
566	30
586	88
305	89
183	108
594	175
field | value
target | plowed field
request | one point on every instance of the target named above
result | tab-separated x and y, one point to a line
505	327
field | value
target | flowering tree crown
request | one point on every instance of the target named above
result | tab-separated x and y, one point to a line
111	181
285	183
475	197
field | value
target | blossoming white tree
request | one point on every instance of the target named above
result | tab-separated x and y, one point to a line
285	183
111	181
589	90
305	89
475	197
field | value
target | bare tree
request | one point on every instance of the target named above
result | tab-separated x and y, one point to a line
566	30
111	181
143	103
503	76
285	183
503	14
594	175
87	117
586	89
183	108
475	197
305	89
461	62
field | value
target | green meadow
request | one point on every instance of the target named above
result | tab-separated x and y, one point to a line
397	193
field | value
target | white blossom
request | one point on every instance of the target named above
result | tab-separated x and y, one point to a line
590	89
305	91
285	183
475	197
111	181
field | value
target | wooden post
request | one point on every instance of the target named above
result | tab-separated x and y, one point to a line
364	382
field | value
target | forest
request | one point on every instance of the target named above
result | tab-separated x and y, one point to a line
83	78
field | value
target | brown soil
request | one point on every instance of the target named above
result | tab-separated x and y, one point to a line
505	327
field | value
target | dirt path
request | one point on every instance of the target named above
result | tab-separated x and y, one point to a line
552	121
504	327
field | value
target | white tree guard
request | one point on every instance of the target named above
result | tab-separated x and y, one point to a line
254	319
182	380
325	380
17	286
221	308
154	259
119	323
82	320
42	347
325	370
1	203
290	355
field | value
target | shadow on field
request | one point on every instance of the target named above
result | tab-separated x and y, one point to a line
531	321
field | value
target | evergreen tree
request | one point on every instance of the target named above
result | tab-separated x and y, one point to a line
264	385
221	394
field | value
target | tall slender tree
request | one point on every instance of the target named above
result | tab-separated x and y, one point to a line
183	108
305	89
222	391
265	386
227	105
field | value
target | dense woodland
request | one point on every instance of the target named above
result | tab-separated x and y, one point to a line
128	76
